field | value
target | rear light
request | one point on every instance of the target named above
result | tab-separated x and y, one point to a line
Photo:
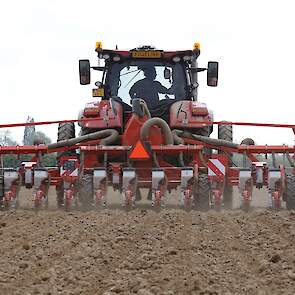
91	112
91	109
199	109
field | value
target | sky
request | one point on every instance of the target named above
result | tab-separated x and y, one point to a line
253	41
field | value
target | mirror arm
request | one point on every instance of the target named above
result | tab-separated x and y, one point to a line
98	68
201	69
197	70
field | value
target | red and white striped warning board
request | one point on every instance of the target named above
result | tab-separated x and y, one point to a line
215	168
69	172
69	168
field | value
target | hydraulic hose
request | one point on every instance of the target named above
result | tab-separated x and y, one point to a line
145	109
178	140
176	136
208	140
107	137
145	129
139	107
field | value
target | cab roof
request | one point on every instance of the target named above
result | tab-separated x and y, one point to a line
145	52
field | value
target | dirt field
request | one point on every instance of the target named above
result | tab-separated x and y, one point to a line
144	252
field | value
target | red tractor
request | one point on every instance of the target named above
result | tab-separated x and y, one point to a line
148	98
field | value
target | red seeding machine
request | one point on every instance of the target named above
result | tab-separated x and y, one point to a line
148	130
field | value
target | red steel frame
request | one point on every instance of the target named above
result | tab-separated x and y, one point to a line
194	148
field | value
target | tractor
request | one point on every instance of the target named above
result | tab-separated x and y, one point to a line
147	97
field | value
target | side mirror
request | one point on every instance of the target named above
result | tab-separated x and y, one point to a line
212	73
167	73
84	71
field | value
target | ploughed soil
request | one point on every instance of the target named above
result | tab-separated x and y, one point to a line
146	252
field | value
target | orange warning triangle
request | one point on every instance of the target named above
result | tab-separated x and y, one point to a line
139	152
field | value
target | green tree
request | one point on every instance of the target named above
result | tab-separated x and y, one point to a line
7	140
39	137
48	160
42	138
29	132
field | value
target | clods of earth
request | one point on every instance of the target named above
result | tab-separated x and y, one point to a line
146	252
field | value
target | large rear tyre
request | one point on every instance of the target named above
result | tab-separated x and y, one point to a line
86	192
248	141
225	132
66	131
205	131
290	192
202	195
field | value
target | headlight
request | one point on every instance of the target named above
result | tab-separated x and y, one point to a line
176	58
187	58
106	56
116	58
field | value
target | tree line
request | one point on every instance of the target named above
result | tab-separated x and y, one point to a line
35	137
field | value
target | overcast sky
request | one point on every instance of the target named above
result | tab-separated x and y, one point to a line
42	41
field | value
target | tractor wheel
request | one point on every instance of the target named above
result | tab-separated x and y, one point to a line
290	192
86	191
225	132
66	131
248	141
228	197
85	131
203	193
203	131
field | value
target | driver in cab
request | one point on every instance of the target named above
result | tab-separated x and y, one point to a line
148	89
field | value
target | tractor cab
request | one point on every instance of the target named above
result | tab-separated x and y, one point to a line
151	80
159	78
